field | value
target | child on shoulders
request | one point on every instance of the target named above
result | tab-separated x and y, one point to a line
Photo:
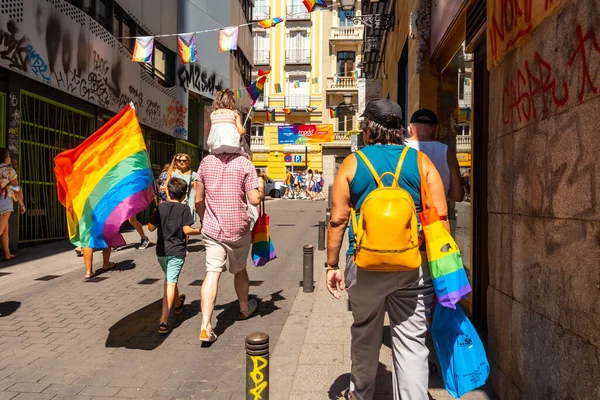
226	129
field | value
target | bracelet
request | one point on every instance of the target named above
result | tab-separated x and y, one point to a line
330	267
22	205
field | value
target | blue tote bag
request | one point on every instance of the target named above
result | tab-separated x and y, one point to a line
463	362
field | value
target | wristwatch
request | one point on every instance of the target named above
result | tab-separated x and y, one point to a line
334	266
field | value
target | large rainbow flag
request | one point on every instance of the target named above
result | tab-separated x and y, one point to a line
104	181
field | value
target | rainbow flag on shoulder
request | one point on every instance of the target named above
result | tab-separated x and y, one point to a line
104	181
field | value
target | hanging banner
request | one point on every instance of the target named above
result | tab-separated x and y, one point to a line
302	134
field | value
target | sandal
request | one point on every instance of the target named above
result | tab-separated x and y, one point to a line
88	277
207	337
164	329
112	265
179	310
252	306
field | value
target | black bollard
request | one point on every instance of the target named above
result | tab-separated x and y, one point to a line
321	244
257	366
307	279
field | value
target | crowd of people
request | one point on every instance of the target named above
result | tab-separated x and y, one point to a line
222	197
304	185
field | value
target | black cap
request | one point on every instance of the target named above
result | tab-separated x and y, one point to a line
424	116
384	112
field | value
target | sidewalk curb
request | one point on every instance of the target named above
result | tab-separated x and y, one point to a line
286	353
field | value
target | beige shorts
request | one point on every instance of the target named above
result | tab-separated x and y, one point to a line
221	256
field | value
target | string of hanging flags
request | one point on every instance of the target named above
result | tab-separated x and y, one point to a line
228	37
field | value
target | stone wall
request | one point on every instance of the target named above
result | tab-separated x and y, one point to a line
544	216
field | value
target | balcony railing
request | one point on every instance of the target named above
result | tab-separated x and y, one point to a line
297	100
463	143
262	57
347	32
261	12
257	140
341	83
297	11
342	137
262	102
297	56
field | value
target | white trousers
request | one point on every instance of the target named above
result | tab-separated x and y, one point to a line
407	297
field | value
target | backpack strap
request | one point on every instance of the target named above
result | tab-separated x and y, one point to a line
400	162
369	165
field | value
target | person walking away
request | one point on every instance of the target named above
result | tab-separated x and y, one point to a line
310	184
407	295
10	191
226	183
180	168
320	183
174	221
422	133
301	185
226	128
289	193
161	183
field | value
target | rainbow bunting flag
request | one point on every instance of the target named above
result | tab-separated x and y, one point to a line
315	80
333	112
238	93
188	52
104	181
312	5
288	110
228	39
296	84
143	49
467	82
270	114
258	86
355	74
278	88
310	109
269	23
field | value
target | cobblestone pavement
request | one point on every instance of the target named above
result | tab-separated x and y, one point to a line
65	339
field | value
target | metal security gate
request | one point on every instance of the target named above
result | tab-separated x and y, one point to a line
161	148
47	128
192	150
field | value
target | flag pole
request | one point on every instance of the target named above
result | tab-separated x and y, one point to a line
249	112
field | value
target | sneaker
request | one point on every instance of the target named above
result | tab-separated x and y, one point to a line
252	305
79	251
144	244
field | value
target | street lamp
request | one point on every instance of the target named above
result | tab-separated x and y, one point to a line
347	98
377	21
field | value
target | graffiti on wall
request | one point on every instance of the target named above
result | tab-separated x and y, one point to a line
193	77
69	51
510	21
536	90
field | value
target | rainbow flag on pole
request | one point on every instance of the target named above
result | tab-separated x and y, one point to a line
188	51
143	49
312	5
269	23
333	112
228	39
258	86
104	181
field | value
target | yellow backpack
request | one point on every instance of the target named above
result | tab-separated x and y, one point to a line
386	233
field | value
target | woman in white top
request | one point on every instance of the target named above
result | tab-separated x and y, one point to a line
226	128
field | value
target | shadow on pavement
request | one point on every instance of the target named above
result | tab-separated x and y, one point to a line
9	307
383	385
196	248
231	311
139	330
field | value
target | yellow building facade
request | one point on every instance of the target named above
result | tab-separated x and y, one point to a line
306	77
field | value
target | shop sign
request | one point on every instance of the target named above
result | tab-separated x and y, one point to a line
304	134
463	158
260	157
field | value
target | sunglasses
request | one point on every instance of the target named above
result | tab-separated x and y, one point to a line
182	160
